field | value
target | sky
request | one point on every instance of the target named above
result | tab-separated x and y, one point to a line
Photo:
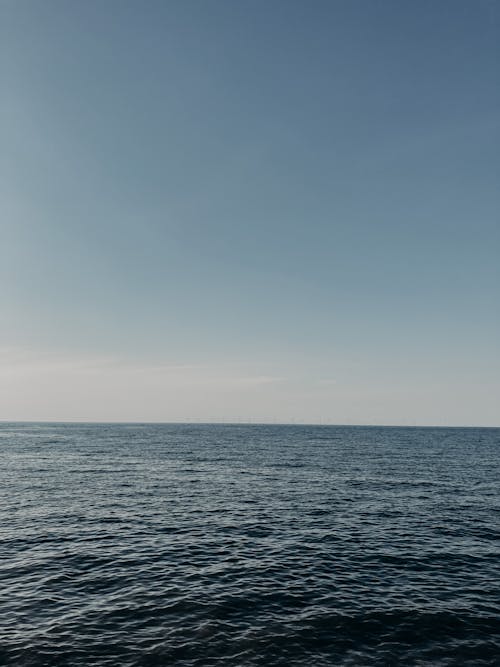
256	210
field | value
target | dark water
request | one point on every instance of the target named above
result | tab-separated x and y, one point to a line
249	545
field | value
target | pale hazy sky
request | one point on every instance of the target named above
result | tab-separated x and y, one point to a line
255	209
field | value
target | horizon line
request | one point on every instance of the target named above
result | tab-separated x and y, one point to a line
202	422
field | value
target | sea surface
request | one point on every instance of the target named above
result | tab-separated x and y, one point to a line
236	545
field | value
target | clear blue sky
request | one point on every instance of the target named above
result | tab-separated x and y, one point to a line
250	209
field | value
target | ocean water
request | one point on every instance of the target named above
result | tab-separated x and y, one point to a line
235	545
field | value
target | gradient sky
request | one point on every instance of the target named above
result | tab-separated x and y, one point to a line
248	209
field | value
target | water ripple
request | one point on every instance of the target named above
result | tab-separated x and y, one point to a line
249	546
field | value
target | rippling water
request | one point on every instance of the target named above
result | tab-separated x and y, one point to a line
200	545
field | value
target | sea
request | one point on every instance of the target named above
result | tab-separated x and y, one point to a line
248	545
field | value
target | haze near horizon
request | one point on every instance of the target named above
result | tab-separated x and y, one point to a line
280	211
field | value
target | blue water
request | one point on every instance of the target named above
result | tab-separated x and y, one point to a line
201	545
